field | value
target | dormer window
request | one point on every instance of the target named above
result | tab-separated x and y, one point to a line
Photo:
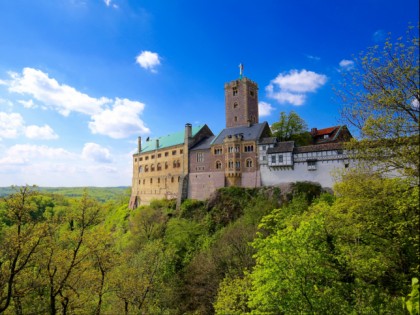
326	136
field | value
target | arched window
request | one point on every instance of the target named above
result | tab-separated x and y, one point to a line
146	168
218	165
230	164
249	163
152	168
140	168
159	167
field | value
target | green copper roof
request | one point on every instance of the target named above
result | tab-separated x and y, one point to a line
168	141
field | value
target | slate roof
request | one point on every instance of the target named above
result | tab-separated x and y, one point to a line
170	140
319	147
268	140
282	147
204	144
252	132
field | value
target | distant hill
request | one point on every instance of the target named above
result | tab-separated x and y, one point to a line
100	193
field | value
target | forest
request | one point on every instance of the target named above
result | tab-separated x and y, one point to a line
289	249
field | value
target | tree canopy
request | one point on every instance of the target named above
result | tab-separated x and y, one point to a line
291	127
380	98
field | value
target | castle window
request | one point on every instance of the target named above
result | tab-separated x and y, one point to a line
146	158
248	163
218	165
151	181
173	152
153	156
230	164
166	153
273	159
249	148
159	167
236	118
235	105
172	179
218	151
159	155
152	168
159	180
140	159
140	169
146	169
166	165
200	157
234	91
181	151
311	165
238	164
135	160
230	149
252	93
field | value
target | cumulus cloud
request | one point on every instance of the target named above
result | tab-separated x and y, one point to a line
61	97
265	109
121	121
293	86
11	125
27	104
37	132
95	152
27	153
148	60
116	118
346	64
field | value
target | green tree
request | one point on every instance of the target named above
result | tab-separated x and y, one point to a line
20	239
380	98
291	127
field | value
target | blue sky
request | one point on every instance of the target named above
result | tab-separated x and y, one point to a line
81	79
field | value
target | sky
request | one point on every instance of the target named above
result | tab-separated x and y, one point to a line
80	80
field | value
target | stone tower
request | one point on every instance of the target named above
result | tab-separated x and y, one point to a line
241	103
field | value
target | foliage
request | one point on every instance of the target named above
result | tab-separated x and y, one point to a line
381	99
291	127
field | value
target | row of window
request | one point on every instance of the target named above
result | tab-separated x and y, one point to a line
237	164
158	180
234	149
145	168
159	155
235	92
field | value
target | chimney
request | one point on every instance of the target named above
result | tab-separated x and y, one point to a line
157	144
314	132
139	145
188	131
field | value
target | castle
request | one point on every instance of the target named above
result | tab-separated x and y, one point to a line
193	163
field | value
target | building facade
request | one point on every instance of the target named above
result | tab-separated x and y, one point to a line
193	163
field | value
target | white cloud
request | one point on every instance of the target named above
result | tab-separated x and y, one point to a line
47	166
95	152
121	121
148	60
43	133
11	125
109	3
346	64
415	103
292	87
265	109
118	118
27	104
61	97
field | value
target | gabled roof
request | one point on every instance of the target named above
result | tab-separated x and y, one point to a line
282	147
253	132
268	140
204	144
170	140
326	131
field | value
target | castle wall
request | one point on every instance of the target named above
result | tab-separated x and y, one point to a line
251	179
202	185
323	174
